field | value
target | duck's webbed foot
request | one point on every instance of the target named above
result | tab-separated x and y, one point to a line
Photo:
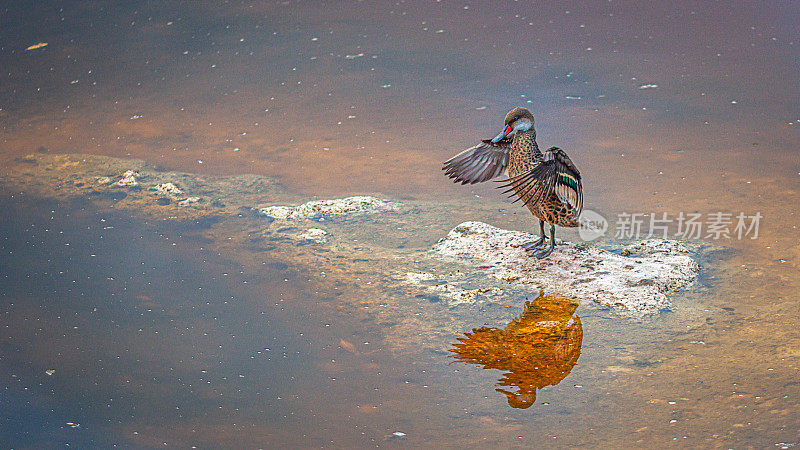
530	246
533	245
545	252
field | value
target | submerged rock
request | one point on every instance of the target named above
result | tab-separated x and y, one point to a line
475	269
189	200
160	194
314	234
451	288
336	207
640	282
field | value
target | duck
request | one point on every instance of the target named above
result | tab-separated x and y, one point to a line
548	183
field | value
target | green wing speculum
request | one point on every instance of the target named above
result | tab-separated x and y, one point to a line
556	175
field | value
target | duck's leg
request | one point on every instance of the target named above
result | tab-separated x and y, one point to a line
545	252
534	244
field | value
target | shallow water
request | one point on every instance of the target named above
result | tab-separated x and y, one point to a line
157	334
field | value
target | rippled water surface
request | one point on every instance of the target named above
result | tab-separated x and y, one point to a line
117	329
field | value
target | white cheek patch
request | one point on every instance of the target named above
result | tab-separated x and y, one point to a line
523	125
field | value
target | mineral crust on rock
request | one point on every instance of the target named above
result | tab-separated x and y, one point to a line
639	282
334	207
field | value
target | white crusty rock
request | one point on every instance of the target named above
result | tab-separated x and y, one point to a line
128	179
639	282
167	189
336	207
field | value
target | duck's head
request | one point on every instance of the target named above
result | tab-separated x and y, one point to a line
518	119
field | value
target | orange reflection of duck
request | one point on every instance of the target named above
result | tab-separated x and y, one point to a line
537	349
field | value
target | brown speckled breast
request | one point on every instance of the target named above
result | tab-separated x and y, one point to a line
554	212
525	155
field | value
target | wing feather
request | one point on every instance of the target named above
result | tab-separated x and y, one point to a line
565	179
555	175
476	164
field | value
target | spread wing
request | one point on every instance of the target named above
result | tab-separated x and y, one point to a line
556	174
480	163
